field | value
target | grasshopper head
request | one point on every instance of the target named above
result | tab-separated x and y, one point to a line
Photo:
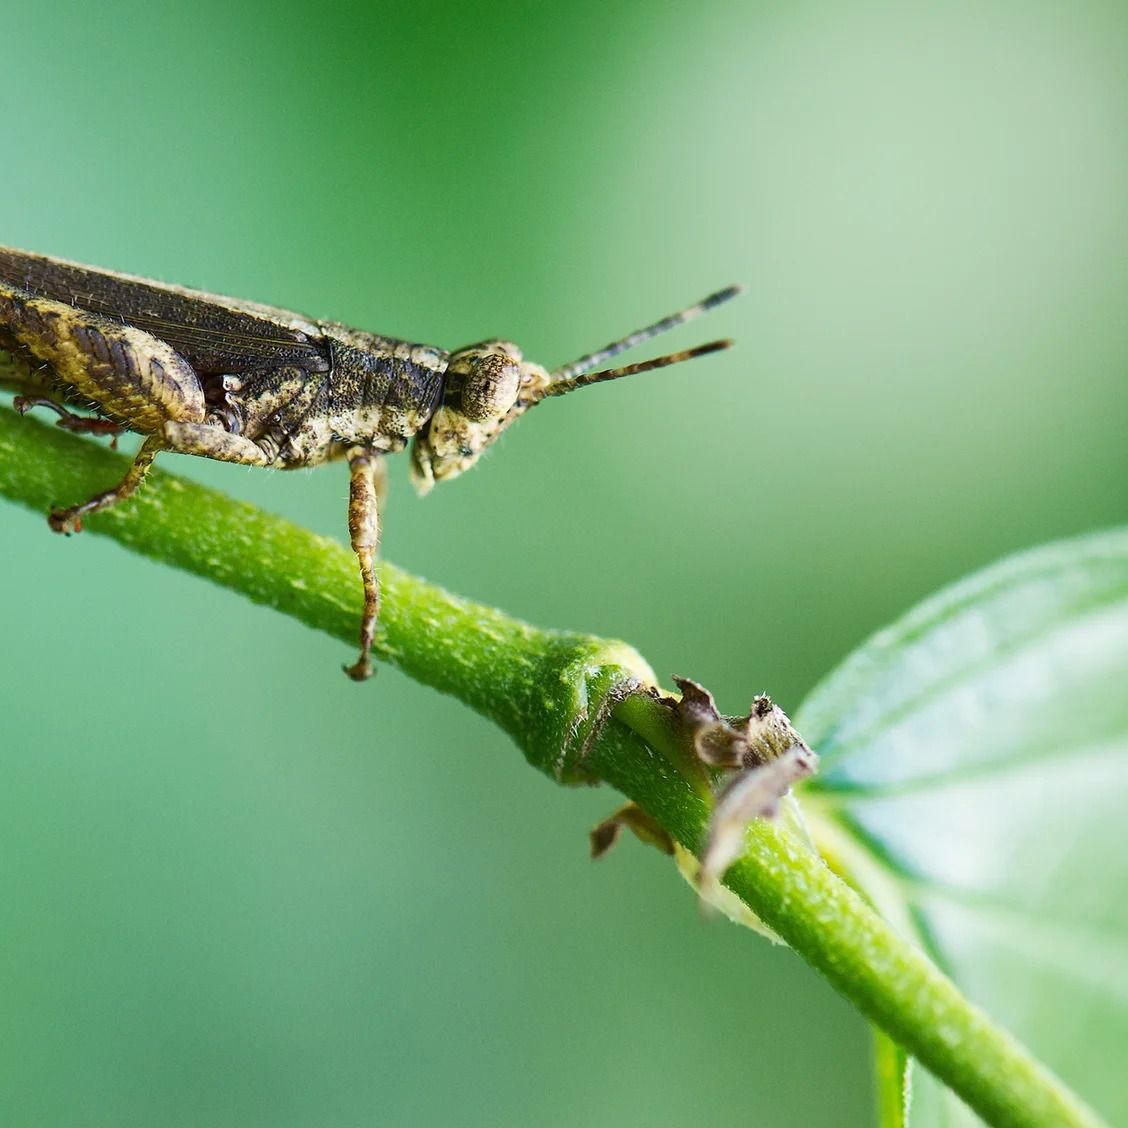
480	393
487	386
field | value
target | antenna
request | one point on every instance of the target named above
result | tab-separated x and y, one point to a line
558	387
566	377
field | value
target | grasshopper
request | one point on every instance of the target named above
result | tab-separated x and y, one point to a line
197	373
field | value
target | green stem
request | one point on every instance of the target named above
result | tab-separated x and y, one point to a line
563	698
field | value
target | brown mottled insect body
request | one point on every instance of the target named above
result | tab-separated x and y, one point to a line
196	373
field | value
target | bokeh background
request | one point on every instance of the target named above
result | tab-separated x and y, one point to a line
238	889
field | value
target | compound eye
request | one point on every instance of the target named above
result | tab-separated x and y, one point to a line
490	388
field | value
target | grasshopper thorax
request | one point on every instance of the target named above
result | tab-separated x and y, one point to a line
480	394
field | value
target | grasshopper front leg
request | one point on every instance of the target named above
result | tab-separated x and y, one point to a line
366	490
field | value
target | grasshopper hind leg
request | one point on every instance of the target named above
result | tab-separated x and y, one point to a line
132	376
76	424
366	494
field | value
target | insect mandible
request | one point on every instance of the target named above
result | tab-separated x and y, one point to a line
196	373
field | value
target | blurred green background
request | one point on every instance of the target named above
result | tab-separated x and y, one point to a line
238	889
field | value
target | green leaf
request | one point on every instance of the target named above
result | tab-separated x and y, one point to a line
974	786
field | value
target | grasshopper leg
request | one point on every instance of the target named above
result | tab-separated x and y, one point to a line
78	424
210	441
69	520
365	494
132	376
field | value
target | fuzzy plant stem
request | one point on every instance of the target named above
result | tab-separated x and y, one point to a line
566	700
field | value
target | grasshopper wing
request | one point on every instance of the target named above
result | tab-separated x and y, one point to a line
213	333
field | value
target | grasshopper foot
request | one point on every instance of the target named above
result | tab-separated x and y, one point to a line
66	521
360	670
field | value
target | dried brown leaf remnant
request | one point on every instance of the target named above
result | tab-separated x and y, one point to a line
755	760
764	751
631	817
